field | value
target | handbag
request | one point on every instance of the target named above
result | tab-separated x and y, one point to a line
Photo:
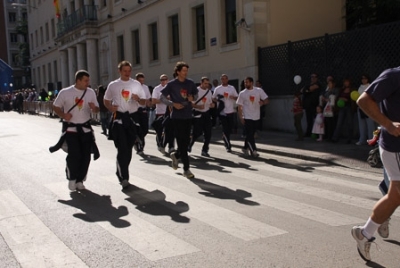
328	112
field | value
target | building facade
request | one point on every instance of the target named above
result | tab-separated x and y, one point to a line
14	45
212	36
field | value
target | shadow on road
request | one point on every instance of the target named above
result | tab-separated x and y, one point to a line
154	203
218	164
97	208
222	192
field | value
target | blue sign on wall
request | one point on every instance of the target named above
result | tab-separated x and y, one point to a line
6	77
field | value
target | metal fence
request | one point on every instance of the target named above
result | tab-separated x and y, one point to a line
46	108
343	55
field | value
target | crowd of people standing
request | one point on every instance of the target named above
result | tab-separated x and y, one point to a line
331	112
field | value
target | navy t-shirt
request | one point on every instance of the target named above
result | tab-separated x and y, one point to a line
178	92
386	90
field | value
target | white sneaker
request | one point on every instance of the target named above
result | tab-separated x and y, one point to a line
174	160
383	230
255	154
363	244
125	184
188	174
245	151
80	186
72	185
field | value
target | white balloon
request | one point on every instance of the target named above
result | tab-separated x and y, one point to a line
297	79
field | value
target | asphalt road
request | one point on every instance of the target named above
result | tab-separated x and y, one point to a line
274	211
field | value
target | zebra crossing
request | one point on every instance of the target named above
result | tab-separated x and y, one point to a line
199	202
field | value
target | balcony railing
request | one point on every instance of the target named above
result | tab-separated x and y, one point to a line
80	16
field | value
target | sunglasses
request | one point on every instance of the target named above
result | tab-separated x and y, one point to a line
164	79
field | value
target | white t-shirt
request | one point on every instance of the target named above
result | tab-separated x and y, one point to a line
250	102
147	94
206	100
67	98
161	107
226	92
120	92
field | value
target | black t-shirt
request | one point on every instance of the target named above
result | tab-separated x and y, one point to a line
386	91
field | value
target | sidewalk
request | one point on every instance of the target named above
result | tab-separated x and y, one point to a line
284	144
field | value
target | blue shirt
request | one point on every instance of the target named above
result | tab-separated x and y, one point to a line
178	92
386	91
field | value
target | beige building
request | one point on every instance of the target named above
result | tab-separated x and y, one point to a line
212	36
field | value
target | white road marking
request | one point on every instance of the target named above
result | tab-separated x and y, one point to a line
31	241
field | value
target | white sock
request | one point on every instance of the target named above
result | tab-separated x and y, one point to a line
369	229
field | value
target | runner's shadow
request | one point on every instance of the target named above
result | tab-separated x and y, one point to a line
154	160
97	208
373	264
219	164
222	192
395	242
276	163
154	203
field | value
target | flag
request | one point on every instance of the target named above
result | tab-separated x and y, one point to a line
57	7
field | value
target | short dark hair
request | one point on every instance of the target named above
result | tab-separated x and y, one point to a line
80	74
139	75
179	65
124	63
249	79
204	78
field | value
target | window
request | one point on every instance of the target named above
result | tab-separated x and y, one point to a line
49	78
44	74
15	59
47	31
230	20
55	68
200	28
12	17
153	41
36	38
41	35
25	16
175	35
136	47
13	38
53	28
120	48
39	77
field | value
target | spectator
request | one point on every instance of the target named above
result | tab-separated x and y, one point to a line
345	114
329	96
298	115
311	94
365	124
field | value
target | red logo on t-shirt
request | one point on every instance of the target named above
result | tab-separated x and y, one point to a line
184	93
125	94
79	102
252	98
